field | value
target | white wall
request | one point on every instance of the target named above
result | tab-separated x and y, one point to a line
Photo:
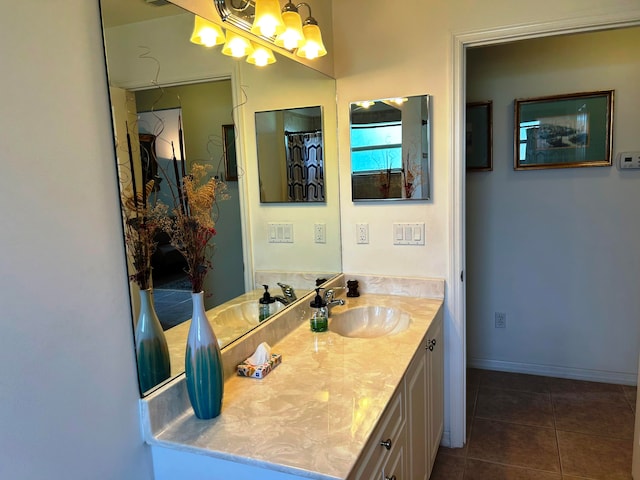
284	85
68	391
554	249
382	52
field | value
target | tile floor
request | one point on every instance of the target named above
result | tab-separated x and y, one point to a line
528	427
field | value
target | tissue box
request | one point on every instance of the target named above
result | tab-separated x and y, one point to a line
259	371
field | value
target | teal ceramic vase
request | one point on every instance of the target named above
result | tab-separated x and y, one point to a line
203	364
152	353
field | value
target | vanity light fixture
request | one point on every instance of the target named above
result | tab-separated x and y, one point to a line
285	30
292	36
268	20
312	46
236	46
206	33
261	56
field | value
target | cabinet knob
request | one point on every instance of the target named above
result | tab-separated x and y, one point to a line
386	444
430	344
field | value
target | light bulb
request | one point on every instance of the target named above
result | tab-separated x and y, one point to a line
268	19
261	56
292	36
236	46
313	46
206	33
209	37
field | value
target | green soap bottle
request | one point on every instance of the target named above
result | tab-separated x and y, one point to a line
319	321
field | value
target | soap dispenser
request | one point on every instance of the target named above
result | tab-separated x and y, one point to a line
266	304
320	319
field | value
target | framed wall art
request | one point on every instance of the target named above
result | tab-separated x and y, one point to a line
479	136
563	131
230	160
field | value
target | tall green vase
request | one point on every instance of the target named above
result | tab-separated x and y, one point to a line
152	352
203	364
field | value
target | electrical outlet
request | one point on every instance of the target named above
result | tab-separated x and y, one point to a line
500	320
320	233
362	233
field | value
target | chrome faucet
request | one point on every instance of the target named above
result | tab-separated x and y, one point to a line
330	300
288	294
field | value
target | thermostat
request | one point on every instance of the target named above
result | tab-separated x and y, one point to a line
628	160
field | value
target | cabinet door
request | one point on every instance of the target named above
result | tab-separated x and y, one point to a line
387	439
417	417
435	386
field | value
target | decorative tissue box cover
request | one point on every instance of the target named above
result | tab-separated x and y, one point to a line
259	371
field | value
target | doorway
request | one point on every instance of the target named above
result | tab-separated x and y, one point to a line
457	353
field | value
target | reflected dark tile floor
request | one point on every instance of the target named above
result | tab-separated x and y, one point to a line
172	306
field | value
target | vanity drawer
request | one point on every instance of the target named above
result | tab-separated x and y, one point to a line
391	431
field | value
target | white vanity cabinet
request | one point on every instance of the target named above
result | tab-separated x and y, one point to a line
424	386
411	426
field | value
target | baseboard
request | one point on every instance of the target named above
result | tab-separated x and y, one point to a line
555	371
445	441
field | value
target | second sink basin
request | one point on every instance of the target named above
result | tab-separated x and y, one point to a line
369	322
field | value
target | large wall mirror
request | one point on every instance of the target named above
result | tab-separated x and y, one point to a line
290	155
156	76
390	149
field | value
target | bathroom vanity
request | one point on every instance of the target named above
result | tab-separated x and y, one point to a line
359	404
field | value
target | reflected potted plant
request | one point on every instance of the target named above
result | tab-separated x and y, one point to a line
191	228
141	222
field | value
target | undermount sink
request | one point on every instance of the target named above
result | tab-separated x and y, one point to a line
369	322
247	311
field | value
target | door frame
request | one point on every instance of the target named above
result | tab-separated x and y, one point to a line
456	355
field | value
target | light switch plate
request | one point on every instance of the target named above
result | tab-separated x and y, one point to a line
280	233
408	233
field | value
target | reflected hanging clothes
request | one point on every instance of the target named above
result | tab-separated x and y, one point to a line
305	166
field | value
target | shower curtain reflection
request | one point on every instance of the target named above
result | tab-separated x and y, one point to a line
305	172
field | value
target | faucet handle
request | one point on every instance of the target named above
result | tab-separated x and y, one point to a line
288	291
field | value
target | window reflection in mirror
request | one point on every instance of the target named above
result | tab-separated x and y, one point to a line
290	155
390	149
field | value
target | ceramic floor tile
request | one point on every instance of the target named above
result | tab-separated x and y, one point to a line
630	392
448	467
454	452
472	396
562	388
526	408
473	377
595	418
512	444
478	470
515	381
595	457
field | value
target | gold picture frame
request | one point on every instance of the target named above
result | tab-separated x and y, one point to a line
563	131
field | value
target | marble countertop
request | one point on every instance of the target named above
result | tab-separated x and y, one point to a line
314	413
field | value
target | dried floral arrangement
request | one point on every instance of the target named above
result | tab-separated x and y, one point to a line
141	222
192	225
